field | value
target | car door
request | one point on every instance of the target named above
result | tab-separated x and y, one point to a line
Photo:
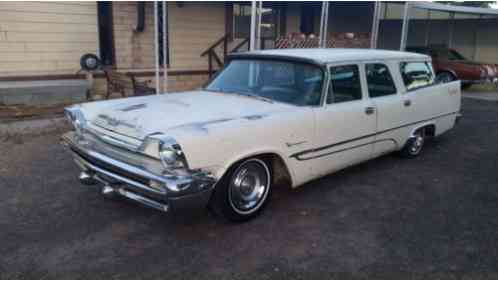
345	124
428	102
383	92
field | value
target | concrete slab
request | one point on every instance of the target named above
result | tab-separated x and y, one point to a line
42	93
488	96
33	126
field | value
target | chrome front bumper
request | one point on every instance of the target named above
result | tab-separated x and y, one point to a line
119	177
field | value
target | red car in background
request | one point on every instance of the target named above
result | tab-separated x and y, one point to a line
450	65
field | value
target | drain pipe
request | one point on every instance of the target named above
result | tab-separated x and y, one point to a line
156	46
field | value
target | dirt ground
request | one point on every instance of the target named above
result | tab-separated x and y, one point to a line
431	217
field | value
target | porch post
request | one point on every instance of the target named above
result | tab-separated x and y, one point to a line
252	39
404	31
451	27
427	28
474	55
156	46
375	25
260	12
323	24
320	34
165	48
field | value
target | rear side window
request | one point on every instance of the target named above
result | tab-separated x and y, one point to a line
416	74
345	84
379	80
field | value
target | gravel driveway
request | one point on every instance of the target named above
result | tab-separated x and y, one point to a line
435	216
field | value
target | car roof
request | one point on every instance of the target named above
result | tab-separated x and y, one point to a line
331	55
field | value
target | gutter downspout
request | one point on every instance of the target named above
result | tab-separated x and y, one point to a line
140	25
156	46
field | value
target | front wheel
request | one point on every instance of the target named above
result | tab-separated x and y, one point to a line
243	193
414	145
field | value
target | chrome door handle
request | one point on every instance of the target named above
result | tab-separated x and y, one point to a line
369	110
407	103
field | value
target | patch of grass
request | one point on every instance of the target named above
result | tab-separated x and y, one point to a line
479	88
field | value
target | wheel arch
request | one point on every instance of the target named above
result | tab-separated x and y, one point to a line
280	169
429	126
451	71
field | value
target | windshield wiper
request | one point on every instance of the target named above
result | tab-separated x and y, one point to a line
258	97
240	93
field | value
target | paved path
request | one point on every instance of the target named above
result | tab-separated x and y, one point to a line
488	96
431	217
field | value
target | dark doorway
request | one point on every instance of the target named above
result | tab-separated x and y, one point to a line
106	40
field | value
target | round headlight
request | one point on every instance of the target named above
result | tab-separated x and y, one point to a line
171	154
76	117
168	156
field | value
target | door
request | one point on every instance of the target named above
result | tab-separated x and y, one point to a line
390	106
429	103
345	125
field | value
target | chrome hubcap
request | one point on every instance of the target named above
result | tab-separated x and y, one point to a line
417	144
249	186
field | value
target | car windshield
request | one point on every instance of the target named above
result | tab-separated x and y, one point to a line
271	80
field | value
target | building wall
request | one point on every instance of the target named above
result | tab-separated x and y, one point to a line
133	50
40	38
193	28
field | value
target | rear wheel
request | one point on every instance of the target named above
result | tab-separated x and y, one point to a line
244	192
414	145
445	77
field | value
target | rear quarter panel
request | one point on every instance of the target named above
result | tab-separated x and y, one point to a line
437	104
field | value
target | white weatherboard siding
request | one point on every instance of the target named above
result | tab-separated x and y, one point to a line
41	38
193	28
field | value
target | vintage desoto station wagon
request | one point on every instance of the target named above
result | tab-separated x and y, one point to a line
268	118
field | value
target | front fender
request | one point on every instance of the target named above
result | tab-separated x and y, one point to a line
254	153
220	145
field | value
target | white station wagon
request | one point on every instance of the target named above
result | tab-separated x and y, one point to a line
269	117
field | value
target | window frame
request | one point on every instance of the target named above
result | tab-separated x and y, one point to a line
329	90
388	65
322	67
428	64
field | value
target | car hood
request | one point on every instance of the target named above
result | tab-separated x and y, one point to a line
139	117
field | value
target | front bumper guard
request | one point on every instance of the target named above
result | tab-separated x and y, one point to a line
119	178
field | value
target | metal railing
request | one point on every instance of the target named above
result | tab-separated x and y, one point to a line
213	56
